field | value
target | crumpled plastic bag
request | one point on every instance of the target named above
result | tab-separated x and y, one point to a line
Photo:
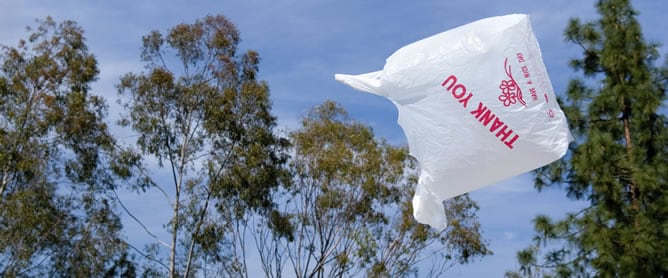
476	105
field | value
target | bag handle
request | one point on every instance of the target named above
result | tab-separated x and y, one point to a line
367	82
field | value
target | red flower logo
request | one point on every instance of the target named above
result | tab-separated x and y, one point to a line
511	93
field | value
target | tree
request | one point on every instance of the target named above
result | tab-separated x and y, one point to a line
618	163
201	112
350	208
59	166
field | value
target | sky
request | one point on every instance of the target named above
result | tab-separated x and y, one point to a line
303	43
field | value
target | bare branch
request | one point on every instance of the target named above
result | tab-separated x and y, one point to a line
120	202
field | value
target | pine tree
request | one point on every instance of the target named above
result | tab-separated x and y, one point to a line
618	163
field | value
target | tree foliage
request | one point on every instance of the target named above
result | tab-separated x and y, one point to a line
56	183
351	212
205	140
618	163
201	112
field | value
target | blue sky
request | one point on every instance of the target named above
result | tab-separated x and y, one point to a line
304	43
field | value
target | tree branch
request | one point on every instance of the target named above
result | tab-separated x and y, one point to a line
150	258
195	232
120	202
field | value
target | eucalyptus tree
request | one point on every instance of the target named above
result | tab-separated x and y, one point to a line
350	208
201	113
59	164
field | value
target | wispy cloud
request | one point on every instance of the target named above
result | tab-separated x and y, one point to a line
303	43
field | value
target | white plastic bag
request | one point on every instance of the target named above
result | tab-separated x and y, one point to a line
476	105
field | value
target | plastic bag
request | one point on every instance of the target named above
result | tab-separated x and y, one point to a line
476	105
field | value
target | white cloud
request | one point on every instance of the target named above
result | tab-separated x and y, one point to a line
509	235
303	43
